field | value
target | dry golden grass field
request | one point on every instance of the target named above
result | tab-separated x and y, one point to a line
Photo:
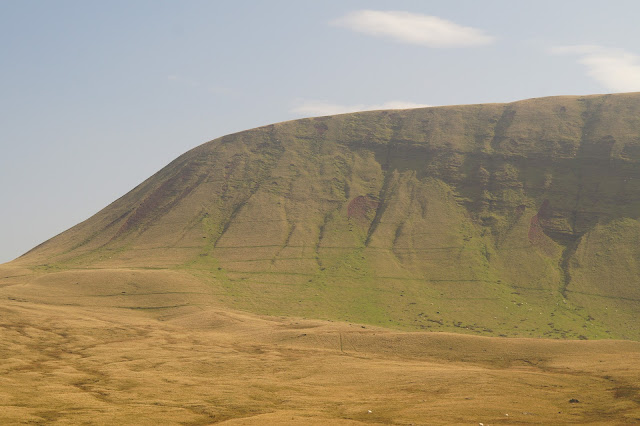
89	347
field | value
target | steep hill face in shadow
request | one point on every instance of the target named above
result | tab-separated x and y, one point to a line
516	219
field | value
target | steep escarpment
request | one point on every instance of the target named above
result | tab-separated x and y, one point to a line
499	219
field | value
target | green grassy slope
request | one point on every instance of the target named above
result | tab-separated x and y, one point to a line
513	219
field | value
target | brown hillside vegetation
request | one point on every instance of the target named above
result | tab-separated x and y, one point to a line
114	353
359	268
513	219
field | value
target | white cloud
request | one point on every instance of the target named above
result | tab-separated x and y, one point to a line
413	28
616	69
315	108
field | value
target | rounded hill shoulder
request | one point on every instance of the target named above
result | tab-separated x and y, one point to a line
499	219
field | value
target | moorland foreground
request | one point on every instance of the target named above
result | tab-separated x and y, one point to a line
121	355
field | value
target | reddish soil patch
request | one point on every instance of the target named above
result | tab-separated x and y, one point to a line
321	128
360	207
535	228
163	198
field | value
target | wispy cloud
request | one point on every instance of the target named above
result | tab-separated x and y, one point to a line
314	108
616	69
413	28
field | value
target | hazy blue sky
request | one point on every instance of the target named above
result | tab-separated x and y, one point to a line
95	96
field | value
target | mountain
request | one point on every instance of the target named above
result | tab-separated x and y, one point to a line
517	219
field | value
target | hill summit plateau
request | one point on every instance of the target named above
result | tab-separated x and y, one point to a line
517	219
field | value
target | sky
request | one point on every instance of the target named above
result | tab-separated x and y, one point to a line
96	96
